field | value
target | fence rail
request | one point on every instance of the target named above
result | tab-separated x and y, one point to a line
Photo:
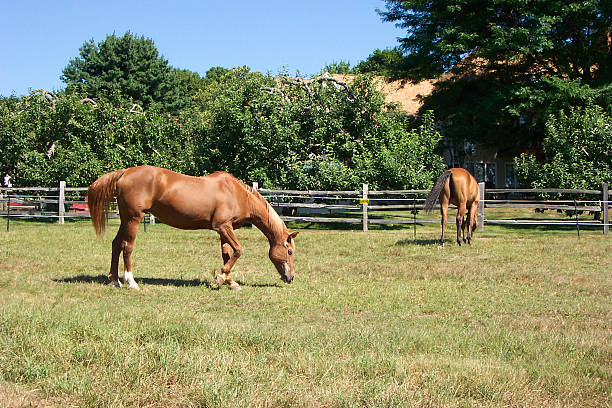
363	207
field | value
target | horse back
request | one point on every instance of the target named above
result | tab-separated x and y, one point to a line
180	200
462	187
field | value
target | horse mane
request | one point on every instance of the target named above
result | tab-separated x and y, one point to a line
272	220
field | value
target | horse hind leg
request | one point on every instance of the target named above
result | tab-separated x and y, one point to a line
444	214
120	243
127	245
117	248
461	212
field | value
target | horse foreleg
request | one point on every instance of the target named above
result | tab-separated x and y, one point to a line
464	224
472	214
230	252
226	254
459	221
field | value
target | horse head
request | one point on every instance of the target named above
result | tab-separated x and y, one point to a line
281	254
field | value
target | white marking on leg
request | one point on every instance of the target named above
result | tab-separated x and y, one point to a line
128	278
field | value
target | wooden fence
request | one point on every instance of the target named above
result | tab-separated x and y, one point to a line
374	206
365	207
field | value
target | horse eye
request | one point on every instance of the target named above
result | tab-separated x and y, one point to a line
290	252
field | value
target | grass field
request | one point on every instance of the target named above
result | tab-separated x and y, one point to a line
523	317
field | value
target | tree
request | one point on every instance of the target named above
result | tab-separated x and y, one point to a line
128	66
189	82
193	85
320	133
559	38
46	138
506	60
342	67
390	63
577	149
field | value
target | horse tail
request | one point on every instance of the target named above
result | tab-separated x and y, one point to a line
433	195
99	196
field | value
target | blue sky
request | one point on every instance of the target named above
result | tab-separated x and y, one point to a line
38	38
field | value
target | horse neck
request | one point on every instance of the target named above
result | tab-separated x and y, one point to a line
266	219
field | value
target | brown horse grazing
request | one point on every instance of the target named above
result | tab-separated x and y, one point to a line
460	188
219	202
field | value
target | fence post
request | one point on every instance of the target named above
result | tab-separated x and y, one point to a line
364	201
60	202
8	213
606	204
481	206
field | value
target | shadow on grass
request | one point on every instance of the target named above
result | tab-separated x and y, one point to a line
103	280
546	228
260	285
420	242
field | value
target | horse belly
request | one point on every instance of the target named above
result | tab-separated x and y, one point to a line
187	213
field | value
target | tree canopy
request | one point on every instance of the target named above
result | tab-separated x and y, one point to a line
389	63
502	70
128	66
310	134
64	137
554	37
577	149
281	132
508	64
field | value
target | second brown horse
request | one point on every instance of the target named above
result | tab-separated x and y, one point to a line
458	187
219	202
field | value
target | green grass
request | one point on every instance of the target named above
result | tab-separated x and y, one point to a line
523	317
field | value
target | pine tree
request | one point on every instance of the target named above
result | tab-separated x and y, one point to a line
128	66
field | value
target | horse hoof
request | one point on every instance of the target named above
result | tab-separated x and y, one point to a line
235	286
116	284
133	287
220	280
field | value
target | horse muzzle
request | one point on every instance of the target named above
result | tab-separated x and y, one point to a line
287	279
286	275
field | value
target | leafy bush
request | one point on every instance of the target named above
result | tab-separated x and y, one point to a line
281	132
45	140
577	150
317	133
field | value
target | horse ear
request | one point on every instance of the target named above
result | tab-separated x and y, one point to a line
292	235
